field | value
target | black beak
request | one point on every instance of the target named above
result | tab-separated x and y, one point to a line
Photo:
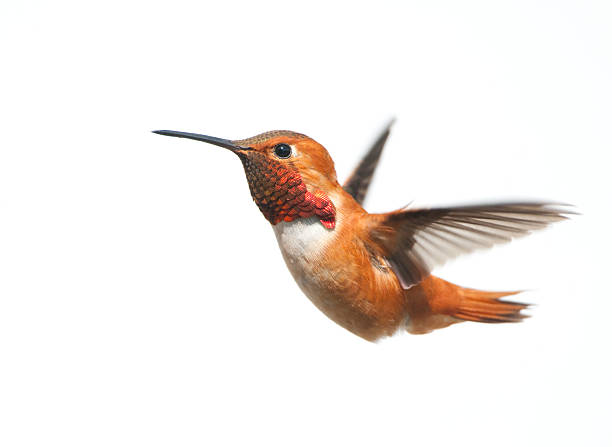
227	144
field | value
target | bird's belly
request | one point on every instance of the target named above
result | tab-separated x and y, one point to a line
361	298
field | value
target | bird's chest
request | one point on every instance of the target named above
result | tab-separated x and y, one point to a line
311	253
305	245
335	273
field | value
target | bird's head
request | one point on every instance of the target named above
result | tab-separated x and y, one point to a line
289	174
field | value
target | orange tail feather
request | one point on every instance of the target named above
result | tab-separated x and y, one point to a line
436	303
487	307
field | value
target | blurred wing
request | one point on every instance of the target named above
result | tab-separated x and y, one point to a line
416	241
359	181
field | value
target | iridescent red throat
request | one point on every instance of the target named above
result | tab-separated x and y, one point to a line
280	193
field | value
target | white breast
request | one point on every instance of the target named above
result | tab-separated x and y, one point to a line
302	243
302	240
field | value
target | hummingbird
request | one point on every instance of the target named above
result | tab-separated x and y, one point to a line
371	273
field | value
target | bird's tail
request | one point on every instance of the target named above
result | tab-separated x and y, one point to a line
435	303
488	307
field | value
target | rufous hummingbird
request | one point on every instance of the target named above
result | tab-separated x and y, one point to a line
370	273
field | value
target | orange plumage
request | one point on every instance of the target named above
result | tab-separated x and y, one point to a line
370	273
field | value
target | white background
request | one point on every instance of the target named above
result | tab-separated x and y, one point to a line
143	299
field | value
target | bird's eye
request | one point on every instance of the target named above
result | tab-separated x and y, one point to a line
282	150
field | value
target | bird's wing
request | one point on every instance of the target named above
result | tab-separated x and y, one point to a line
416	241
359	181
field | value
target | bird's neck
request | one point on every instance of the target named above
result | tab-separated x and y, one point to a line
305	240
282	195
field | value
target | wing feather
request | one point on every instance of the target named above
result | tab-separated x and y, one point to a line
358	183
415	241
